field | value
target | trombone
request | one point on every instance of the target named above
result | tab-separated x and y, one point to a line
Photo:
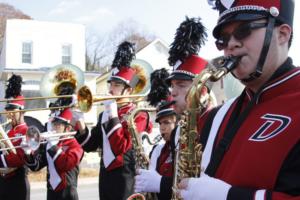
34	138
85	100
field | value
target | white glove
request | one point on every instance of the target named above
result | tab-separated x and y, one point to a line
147	181
203	188
77	116
110	109
51	141
27	150
74	100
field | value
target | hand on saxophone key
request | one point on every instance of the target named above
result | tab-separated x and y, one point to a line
147	181
203	188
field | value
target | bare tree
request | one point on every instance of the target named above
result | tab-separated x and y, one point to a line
9	12
96	51
100	50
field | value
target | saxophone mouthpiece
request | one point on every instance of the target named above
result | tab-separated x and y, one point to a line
227	63
230	62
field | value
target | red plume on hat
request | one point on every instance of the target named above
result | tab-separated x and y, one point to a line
121	70
13	92
243	10
189	38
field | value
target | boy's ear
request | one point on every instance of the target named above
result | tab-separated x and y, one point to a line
285	33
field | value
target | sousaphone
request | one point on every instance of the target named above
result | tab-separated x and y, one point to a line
59	76
144	70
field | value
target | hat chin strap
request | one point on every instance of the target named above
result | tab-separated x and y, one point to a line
264	51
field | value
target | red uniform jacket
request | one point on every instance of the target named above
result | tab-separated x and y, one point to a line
113	136
162	160
263	160
11	159
62	161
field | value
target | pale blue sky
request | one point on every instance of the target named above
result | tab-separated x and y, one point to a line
160	17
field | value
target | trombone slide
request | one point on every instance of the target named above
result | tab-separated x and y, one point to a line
5	138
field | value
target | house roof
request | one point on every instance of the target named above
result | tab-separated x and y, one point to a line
163	44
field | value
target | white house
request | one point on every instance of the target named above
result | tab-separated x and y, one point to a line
31	47
155	54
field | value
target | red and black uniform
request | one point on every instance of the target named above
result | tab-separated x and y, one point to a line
62	161
117	167
162	161
15	185
262	160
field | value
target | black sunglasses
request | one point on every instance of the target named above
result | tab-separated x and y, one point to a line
240	33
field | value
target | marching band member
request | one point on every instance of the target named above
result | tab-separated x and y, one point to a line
252	150
189	38
117	167
14	185
159	175
61	156
160	168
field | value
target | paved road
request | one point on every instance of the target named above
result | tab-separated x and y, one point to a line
87	189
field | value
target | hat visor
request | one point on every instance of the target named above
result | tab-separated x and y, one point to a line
164	114
58	120
12	107
116	79
234	18
178	76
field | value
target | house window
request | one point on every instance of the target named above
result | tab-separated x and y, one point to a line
27	52
31	88
66	54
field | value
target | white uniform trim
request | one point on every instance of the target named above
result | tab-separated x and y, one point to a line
86	139
155	154
108	155
260	195
213	133
54	178
3	161
117	126
177	134
59	151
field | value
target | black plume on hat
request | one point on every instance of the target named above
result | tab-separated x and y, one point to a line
159	88
65	89
13	88
189	38
216	4
124	55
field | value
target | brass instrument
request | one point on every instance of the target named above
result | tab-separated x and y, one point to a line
61	75
84	97
34	138
70	75
6	144
155	140
188	153
141	159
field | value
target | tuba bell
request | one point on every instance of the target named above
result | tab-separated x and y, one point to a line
58	77
143	69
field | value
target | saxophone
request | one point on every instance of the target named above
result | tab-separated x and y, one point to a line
141	159
188	153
